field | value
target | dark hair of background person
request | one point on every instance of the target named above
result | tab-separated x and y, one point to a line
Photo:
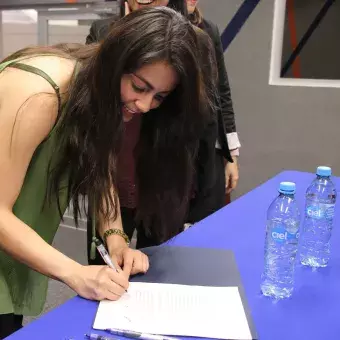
178	5
90	130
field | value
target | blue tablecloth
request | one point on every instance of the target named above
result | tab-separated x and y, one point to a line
313	313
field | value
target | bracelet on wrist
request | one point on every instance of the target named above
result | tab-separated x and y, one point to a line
118	232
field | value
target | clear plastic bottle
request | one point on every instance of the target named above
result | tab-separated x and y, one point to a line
282	235
318	221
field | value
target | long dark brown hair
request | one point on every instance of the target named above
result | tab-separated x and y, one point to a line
90	131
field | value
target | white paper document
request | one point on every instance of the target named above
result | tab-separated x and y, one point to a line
179	310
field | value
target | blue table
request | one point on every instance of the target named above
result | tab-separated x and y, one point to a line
311	314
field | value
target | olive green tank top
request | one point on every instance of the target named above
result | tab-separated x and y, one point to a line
22	290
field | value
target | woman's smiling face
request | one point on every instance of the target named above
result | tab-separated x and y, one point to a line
136	4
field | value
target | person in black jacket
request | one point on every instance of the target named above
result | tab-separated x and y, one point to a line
204	201
226	172
100	28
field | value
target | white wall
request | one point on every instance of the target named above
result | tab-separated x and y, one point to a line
280	127
17	36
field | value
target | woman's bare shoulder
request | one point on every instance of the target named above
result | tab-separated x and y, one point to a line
30	94
59	69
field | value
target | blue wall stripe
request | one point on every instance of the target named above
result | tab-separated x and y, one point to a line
237	22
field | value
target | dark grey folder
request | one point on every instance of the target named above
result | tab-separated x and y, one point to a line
195	266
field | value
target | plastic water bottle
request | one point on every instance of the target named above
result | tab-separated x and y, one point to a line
318	222
283	221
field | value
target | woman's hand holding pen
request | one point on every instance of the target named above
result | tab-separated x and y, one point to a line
130	260
98	283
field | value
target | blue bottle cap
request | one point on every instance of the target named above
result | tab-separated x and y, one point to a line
324	171
287	188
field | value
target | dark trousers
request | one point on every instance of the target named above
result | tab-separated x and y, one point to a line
219	187
214	197
9	323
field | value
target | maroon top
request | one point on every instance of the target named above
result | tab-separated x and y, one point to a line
126	164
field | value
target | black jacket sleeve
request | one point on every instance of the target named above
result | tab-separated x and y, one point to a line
223	82
92	37
225	113
99	29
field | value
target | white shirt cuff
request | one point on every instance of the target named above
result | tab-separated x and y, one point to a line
235	152
233	143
